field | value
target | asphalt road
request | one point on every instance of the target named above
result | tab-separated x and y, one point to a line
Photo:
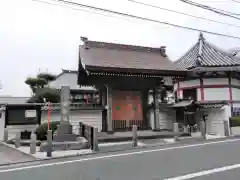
218	160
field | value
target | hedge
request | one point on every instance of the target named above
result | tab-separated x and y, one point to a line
41	131
234	121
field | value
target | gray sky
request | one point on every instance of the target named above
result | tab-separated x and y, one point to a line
36	36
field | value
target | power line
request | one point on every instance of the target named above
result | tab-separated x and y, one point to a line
140	18
235	1
186	14
215	10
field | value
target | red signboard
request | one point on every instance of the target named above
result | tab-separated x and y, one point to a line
126	105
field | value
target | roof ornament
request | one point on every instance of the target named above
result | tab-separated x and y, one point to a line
85	40
200	43
163	51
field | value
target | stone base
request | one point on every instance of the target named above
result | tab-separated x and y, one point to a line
64	133
64	137
80	143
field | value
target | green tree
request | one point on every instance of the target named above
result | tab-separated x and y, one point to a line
39	89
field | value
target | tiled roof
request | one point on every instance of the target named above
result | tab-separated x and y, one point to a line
69	78
110	55
183	103
205	54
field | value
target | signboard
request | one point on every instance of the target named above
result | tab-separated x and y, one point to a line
30	113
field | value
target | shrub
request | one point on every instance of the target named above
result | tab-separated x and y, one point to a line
41	131
234	121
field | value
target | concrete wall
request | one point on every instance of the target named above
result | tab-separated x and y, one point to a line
91	117
166	119
216	118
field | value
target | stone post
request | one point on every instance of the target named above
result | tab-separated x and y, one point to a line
80	129
89	136
134	131
175	128
5	135
185	129
33	143
95	139
17	139
49	143
226	128
203	129
65	104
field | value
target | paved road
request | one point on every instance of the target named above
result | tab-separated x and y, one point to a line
199	161
9	155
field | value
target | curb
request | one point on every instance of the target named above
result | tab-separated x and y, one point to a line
129	138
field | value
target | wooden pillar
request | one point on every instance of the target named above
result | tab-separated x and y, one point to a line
201	89
230	92
109	108
146	118
103	97
156	109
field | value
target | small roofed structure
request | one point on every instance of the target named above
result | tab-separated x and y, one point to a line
124	75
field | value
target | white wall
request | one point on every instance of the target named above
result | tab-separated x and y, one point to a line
212	94
2	124
91	117
215	81
235	94
216	118
166	118
189	83
68	79
235	82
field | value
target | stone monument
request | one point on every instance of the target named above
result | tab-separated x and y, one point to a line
64	139
64	130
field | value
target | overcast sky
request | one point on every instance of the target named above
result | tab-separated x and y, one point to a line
40	37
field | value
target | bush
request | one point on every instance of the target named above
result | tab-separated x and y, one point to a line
41	131
234	121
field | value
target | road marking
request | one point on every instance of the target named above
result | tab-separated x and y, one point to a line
204	173
115	155
18	164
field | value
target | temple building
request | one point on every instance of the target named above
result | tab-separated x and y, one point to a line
125	76
214	75
213	79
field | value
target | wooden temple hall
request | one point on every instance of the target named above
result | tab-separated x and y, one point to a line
124	75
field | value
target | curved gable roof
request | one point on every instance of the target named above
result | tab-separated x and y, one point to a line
205	54
111	55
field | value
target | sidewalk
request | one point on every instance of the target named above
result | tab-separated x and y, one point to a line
10	155
127	136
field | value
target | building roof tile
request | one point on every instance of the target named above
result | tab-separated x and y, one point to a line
205	54
110	55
